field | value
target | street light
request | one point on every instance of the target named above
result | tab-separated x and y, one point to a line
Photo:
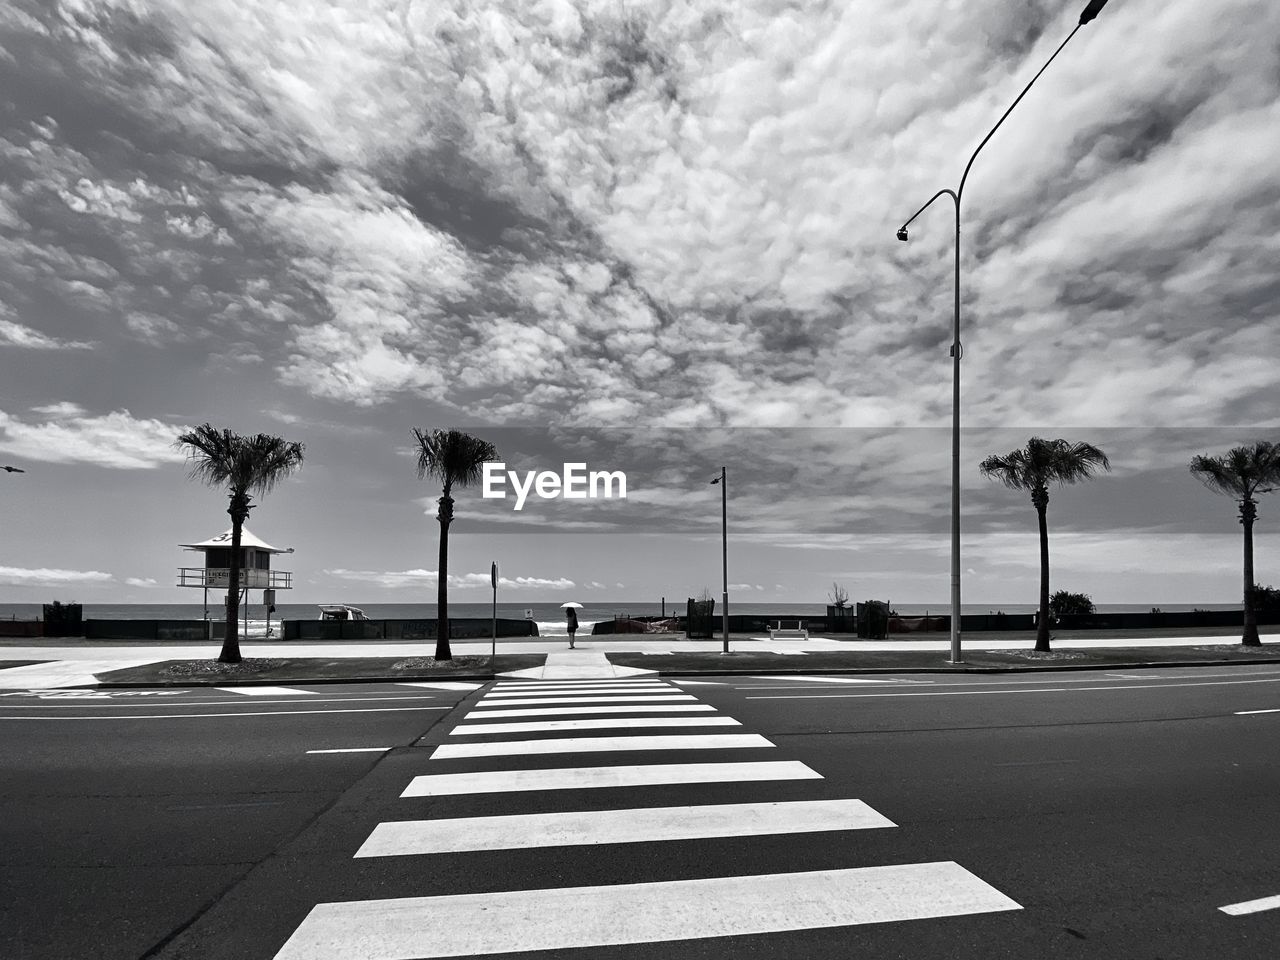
1092	10
724	553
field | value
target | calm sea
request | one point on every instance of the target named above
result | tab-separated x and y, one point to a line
549	616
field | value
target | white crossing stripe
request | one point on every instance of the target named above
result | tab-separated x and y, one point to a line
607	723
789	678
582	778
569	684
602	698
1245	713
562	711
529	686
1251	906
441	685
642	825
518	748
269	691
569	692
569	917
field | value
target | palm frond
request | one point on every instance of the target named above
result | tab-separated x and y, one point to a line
454	457
1042	462
221	457
1242	472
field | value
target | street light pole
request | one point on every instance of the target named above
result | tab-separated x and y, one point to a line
1092	10
724	554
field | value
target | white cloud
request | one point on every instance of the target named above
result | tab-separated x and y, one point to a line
71	435
50	577
146	582
15	334
387	578
418	577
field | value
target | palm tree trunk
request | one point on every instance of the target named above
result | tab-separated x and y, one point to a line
1248	513
445	517
231	634
1042	622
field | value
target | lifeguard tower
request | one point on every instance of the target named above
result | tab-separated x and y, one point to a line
255	569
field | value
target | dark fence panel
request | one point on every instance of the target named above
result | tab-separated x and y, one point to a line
147	630
21	628
459	629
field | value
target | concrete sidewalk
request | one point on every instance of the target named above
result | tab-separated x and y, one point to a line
577	664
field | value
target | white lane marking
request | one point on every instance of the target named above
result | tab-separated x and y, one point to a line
444	685
1251	906
700	683
1033	763
231	713
516	748
988	693
576	828
1135	676
564	711
268	691
569	917
1245	713
580	778
607	723
88	694
353	750
99	705
603	698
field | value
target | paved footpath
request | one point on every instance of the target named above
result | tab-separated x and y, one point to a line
76	664
498	751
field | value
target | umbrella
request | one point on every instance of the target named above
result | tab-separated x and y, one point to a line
571	603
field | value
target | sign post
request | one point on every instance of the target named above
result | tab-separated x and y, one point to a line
493	581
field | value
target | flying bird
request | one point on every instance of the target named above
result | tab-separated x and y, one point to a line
14	470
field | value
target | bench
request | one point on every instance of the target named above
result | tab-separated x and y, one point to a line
783	632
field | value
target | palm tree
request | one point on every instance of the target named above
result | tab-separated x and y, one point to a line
1242	473
1038	464
457	458
245	465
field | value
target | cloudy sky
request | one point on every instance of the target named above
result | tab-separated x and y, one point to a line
652	236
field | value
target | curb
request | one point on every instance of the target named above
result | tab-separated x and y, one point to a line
962	668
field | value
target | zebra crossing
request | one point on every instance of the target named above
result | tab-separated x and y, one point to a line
662	910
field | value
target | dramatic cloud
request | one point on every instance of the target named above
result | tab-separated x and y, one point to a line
671	219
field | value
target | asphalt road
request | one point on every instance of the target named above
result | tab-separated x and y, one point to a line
1022	816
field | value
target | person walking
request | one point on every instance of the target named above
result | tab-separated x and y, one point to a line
571	618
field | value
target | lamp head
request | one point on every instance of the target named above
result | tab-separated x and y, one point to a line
902	234
1092	10
715	481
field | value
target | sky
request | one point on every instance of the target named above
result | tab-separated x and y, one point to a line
655	237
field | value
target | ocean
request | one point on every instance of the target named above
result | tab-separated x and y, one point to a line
548	616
